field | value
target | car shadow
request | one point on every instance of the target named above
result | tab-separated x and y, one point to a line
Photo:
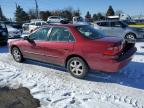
4	49
139	53
140	40
132	75
47	65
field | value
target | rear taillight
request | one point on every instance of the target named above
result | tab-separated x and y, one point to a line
113	50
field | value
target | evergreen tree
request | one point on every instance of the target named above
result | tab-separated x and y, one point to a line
76	13
98	16
20	15
2	17
110	11
88	15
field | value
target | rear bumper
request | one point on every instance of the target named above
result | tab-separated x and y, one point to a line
116	63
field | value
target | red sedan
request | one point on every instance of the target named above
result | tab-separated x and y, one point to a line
77	47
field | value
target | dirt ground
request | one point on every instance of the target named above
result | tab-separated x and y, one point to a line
17	98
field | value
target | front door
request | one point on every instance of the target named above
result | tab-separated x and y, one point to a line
116	29
35	49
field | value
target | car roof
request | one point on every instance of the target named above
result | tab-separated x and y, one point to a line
107	21
62	25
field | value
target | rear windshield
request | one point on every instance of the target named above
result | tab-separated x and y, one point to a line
89	32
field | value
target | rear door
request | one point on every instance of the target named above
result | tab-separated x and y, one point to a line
36	49
59	45
104	27
116	29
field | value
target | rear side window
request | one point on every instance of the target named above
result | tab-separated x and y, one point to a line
115	24
61	34
104	24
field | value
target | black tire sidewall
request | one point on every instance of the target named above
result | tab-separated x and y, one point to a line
130	34
21	57
85	67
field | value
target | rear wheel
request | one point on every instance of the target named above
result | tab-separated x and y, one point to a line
77	67
17	55
130	36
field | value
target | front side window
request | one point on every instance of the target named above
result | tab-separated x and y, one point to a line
32	24
116	24
38	24
89	32
61	34
41	34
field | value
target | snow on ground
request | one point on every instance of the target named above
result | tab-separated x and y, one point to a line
56	88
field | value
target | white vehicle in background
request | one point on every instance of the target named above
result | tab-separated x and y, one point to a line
80	20
57	19
13	32
36	24
25	27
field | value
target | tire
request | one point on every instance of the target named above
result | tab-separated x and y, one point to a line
17	55
77	67
130	36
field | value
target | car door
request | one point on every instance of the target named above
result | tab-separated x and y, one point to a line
116	29
104	27
59	45
34	47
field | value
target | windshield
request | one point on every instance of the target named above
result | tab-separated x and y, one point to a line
89	32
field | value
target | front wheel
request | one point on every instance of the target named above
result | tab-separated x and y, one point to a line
77	67
17	54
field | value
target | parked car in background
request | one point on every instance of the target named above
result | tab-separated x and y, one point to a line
13	32
13	24
36	24
119	29
57	19
80	20
25	27
77	47
17	26
3	34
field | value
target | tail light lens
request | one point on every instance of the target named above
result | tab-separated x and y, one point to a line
113	50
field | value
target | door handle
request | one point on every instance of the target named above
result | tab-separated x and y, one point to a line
66	49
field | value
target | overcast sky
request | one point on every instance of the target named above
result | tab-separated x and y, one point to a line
131	7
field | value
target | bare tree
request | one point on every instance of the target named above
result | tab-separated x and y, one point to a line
37	10
118	12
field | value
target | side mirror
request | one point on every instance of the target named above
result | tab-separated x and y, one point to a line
26	38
